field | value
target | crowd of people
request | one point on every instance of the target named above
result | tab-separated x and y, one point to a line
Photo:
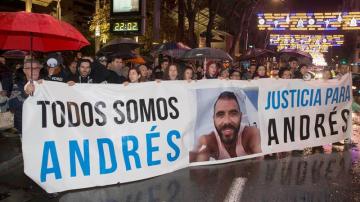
15	86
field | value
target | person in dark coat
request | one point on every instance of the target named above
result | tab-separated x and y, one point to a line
6	79
114	74
25	88
71	71
83	72
55	71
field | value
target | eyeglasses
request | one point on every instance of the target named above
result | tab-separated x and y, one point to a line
34	68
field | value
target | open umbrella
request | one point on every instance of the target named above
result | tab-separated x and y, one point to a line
37	32
303	57
137	60
15	54
119	44
172	49
295	53
206	53
256	53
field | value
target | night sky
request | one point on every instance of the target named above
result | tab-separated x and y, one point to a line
302	5
315	5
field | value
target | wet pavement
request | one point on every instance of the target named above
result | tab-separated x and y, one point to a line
328	173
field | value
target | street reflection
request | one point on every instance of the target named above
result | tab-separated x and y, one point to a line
314	177
326	173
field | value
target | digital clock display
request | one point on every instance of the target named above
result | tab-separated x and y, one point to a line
126	26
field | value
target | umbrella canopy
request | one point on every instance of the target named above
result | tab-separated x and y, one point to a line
116	45
303	57
38	32
208	53
172	49
137	60
295	53
175	53
15	54
255	53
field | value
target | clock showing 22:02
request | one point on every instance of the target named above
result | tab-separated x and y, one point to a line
126	26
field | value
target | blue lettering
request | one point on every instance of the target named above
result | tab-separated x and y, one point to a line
317	97
329	92
342	94
335	96
173	145
277	105
298	98
101	142
311	97
127	152
49	147
151	149
304	101
268	101
347	94
284	95
292	91
75	153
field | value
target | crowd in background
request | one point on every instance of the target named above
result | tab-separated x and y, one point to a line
14	85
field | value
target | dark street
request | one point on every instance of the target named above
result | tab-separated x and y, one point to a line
329	173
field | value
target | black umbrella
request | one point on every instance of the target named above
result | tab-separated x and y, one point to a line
124	55
206	53
15	54
172	49
295	53
303	57
256	53
119	45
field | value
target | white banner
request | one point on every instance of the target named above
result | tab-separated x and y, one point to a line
91	135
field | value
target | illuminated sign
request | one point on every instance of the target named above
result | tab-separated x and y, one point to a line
126	27
307	43
309	21
125	7
127	17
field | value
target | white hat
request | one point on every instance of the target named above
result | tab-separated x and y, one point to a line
52	62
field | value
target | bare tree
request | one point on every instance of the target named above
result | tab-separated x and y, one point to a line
247	12
192	7
181	20
213	6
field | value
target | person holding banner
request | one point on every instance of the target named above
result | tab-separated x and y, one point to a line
231	138
211	70
188	74
26	88
172	72
133	76
84	70
285	73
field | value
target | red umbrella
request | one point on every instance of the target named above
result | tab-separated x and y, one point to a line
37	32
21	30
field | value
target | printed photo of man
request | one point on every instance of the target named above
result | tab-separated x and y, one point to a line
230	138
120	6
